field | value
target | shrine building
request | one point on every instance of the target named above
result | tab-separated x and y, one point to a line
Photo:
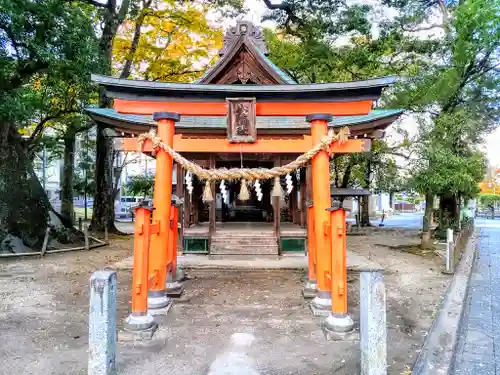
244	112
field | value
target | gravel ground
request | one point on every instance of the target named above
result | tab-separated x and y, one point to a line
44	307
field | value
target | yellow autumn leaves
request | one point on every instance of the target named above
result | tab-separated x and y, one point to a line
176	42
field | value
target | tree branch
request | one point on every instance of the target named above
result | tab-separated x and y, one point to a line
444	11
281	6
288	9
422	28
123	10
135	43
96	3
40	125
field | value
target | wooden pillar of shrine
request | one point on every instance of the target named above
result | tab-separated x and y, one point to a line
212	204
162	200
303	200
277	210
321	304
295	201
179	191
188	206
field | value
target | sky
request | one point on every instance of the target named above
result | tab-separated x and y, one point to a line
492	142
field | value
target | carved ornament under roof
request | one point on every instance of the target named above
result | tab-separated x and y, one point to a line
254	33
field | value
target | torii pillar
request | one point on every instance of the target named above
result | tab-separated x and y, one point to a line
321	304
337	318
162	200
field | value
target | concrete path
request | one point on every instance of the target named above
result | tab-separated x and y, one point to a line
478	350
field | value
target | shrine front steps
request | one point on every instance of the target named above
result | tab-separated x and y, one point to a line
244	246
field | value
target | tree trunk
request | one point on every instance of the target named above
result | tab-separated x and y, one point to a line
67	208
426	225
391	199
448	214
365	211
24	206
103	213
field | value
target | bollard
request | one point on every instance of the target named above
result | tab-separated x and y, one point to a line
86	237
311	286
102	323
139	322
373	324
450	252
106	235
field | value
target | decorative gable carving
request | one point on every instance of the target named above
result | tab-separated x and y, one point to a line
245	68
244	59
246	28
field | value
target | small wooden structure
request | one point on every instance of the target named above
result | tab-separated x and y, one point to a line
247	113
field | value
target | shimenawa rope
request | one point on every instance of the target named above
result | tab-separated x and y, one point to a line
244	174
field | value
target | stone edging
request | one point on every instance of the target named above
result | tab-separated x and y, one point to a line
438	351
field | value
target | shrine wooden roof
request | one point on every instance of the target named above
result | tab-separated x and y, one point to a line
370	89
244	60
244	71
377	119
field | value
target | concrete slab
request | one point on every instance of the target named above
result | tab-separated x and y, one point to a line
355	262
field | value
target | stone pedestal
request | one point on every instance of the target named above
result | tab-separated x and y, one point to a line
174	289
338	327
180	274
310	289
139	327
158	302
321	305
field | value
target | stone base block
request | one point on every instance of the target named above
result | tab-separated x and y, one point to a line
339	336
180	274
174	289
319	311
309	293
138	335
310	289
339	328
161	310
321	305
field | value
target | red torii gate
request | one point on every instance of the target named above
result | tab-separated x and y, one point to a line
167	102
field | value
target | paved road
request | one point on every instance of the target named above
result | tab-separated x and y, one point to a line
478	350
403	220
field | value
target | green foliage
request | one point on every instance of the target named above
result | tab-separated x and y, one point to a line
457	98
486	200
141	185
448	164
48	50
316	19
